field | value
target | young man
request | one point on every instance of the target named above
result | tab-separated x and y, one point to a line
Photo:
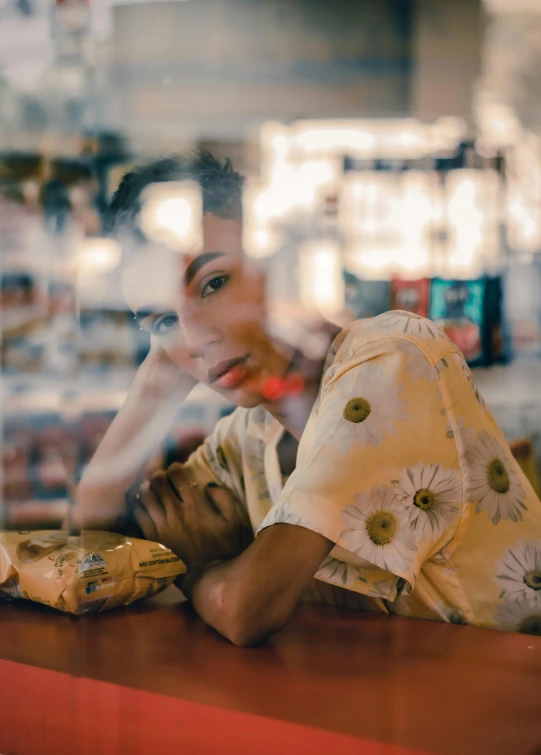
402	494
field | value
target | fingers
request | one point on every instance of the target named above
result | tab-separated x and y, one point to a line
168	496
145	523
153	505
224	501
185	490
219	500
177	475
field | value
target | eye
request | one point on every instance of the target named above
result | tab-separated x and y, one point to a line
164	324
213	285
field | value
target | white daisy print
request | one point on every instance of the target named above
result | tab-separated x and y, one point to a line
376	532
431	498
407	323
339	572
522	616
442	558
493	483
371	408
418	365
519	572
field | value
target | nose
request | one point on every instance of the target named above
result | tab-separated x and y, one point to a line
199	333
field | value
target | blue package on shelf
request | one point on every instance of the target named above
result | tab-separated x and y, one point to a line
472	314
366	298
458	307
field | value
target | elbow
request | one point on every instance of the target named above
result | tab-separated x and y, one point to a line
246	622
243	635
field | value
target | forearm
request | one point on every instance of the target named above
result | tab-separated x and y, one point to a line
135	434
255	594
224	601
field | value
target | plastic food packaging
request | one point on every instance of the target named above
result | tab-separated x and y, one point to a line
85	573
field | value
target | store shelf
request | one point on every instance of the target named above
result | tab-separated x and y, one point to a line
36	514
88	392
508	387
512	394
512	384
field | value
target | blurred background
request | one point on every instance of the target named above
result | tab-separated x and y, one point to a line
393	156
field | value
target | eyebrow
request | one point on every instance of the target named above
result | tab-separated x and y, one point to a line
189	274
197	263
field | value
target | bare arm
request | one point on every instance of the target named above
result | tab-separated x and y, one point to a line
255	594
256	589
140	426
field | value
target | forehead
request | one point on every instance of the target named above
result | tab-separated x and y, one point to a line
221	235
152	278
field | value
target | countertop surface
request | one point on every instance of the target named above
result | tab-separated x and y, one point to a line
436	687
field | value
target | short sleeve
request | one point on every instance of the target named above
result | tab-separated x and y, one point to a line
218	459
378	470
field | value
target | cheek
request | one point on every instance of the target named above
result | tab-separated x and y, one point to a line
241	308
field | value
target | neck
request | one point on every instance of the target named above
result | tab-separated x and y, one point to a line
293	409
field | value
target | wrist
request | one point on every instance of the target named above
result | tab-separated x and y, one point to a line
160	375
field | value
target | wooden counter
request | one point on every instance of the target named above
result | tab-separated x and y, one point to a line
334	681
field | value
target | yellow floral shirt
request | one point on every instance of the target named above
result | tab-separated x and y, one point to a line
403	467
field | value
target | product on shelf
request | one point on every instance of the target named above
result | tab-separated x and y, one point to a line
411	295
366	298
522	306
24	316
472	314
44	453
458	307
498	333
39	457
90	430
110	338
16	452
38	324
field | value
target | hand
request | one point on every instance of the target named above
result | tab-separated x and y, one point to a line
163	376
199	526
138	430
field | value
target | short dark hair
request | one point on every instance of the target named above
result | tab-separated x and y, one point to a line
221	188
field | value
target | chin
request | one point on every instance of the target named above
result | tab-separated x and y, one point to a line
241	397
246	399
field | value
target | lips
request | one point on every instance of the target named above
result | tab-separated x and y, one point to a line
229	373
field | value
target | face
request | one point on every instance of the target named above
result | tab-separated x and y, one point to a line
207	311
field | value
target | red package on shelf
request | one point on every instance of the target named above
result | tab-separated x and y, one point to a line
411	295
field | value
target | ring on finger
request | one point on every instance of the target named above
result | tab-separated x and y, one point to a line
189	485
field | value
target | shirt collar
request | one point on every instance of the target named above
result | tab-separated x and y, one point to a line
264	426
